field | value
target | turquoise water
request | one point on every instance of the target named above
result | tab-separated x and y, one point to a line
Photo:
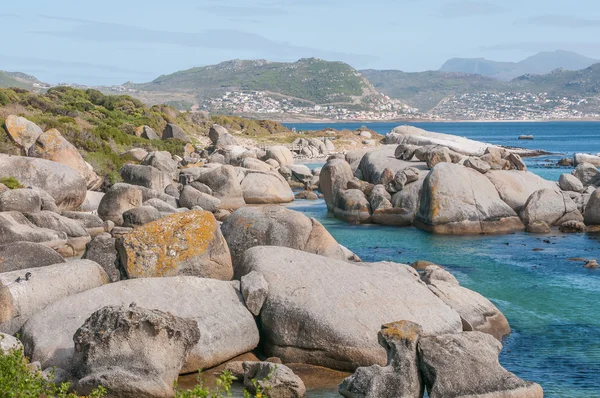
550	300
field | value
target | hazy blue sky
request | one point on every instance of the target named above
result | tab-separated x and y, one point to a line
113	41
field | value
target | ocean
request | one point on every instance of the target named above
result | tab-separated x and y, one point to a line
537	281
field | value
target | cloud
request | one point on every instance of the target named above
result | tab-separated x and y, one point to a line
470	8
561	21
214	39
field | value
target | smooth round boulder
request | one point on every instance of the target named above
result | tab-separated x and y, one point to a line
191	197
281	155
117	200
569	182
21	200
265	188
551	207
334	178
276	226
23	132
189	243
225	186
63	183
587	173
140	216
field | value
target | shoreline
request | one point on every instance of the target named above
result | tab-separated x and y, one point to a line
332	121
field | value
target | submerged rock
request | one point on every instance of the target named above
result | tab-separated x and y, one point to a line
278	380
132	352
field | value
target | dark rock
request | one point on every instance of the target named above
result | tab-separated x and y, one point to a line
175	132
103	251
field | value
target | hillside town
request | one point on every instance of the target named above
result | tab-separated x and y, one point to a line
260	103
514	106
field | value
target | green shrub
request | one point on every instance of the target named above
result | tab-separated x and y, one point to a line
222	388
11	182
17	379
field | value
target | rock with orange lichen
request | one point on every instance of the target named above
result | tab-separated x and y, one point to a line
188	243
22	131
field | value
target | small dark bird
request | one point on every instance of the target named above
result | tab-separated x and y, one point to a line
28	276
19	279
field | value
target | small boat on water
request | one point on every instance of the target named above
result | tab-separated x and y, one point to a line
526	137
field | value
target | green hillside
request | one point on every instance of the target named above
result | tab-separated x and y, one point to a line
313	80
16	79
424	90
584	83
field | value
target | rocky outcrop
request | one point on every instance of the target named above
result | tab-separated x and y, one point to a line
278	380
466	365
63	183
51	145
162	161
460	200
551	207
307	319
373	164
220	137
276	226
587	173
187	243
132	352
408	135
400	377
352	206
27	291
227	328
21	255
579	158
117	200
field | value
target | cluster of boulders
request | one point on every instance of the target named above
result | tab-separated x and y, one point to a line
452	185
311	148
181	270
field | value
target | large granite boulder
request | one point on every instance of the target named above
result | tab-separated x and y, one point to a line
353	206
132	352
224	184
256	164
191	197
227	328
281	154
409	199
570	183
587	173
188	243
333	180
476	312
65	185
579	158
460	200
466	365
373	164
173	131
25	292
551	207
21	255
21	200
117	200
23	132
145	176
400	377
276	226
308	319
260	187
220	137
163	161
15	227
51	145
277	379
515	187
592	210
140	216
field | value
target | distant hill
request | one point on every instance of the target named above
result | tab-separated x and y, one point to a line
308	80
424	90
19	80
540	63
583	83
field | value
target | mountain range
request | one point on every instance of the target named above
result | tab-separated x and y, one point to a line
541	63
313	82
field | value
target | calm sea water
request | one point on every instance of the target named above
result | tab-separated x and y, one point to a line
550	300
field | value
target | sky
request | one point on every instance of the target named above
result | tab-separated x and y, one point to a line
111	42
